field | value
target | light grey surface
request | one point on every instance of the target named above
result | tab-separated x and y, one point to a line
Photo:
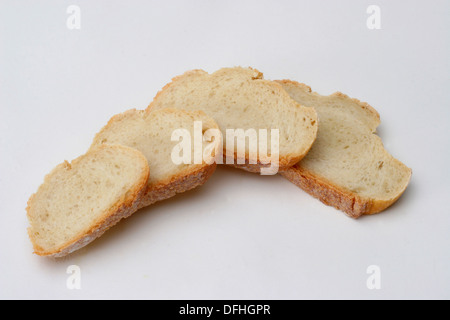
241	236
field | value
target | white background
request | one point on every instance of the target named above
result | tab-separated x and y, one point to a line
240	236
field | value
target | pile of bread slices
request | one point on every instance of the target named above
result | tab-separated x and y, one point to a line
326	145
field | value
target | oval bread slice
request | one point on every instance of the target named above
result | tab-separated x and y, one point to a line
79	201
240	99
151	133
348	167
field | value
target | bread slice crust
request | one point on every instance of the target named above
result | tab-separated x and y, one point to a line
122	208
333	194
188	180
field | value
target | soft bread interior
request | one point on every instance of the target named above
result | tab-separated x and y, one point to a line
239	98
78	197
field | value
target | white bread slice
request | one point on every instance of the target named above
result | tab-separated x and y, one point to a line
239	98
79	201
347	167
151	134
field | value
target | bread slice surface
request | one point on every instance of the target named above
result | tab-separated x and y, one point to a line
79	201
151	133
347	167
240	99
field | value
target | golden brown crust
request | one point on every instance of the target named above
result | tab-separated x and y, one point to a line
332	195
177	184
326	192
122	209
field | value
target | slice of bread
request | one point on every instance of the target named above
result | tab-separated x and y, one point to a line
151	134
239	98
347	167
79	201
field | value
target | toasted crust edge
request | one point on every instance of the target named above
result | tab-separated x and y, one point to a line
332	195
118	211
181	183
